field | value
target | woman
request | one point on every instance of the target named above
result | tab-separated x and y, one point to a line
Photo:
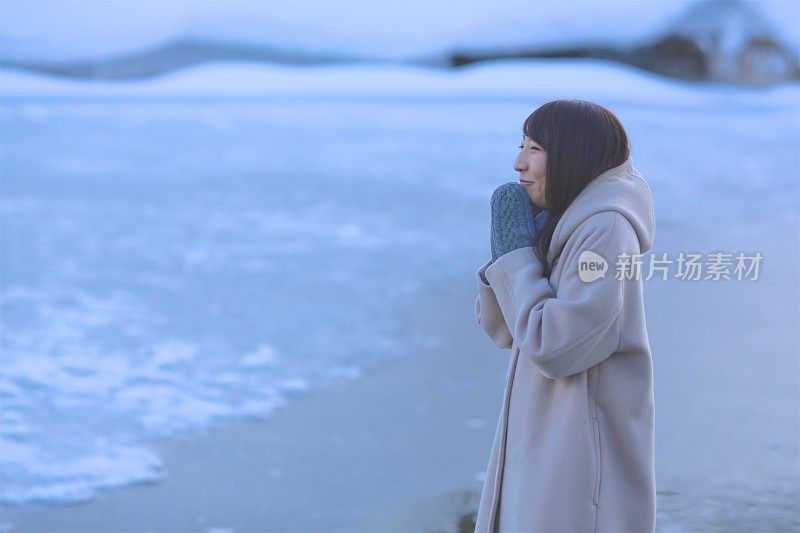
573	450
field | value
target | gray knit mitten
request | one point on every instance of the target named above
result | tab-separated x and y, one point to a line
513	224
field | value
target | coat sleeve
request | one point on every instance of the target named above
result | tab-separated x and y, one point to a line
577	327
488	313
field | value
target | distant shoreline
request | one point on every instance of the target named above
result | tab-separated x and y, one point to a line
673	56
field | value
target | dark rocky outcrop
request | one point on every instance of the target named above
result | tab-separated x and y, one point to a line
726	41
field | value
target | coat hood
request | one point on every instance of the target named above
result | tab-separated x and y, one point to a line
620	189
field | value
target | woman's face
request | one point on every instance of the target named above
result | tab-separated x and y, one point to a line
531	163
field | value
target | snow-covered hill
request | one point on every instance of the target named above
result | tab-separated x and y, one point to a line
739	41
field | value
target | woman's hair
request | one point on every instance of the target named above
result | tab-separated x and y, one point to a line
582	140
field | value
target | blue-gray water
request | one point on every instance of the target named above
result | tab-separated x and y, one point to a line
166	264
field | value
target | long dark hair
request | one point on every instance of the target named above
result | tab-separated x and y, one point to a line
582	140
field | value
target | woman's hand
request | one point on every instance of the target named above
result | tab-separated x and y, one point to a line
513	223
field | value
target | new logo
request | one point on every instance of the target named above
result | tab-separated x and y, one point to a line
591	266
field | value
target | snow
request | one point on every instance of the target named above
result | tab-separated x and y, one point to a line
574	78
64	30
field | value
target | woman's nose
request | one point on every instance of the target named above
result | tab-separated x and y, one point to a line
519	165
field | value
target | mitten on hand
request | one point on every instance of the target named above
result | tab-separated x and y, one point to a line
541	219
512	219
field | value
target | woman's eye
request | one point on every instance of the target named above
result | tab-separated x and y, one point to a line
521	146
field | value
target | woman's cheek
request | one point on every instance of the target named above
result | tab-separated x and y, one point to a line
531	194
541	199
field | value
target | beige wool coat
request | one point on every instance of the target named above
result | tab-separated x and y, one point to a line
573	450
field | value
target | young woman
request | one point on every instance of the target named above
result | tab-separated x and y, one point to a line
573	450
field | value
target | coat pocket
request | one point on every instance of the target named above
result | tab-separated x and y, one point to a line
598	470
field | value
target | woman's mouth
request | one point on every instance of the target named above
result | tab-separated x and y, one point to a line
523	182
